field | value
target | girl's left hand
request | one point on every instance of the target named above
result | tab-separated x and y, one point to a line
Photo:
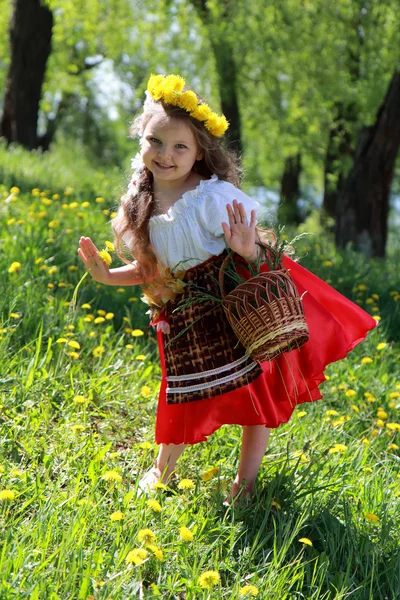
239	234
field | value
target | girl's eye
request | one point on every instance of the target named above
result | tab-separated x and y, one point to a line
156	140
181	146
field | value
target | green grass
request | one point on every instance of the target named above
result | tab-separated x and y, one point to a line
57	538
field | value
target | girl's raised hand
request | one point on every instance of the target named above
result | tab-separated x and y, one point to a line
240	235
93	263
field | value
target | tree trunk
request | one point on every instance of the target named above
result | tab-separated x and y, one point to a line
226	69
339	156
363	207
30	44
288	210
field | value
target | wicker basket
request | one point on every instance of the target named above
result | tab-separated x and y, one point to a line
266	313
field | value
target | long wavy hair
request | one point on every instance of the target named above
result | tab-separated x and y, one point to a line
130	225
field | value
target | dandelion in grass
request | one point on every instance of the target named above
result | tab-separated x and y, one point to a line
306	541
145	391
74	355
78	428
14	267
146	536
393	426
276	504
98	351
381	414
351	393
154	505
99	320
337	448
158	553
394	395
249	590
86	305
7	495
137	332
301	413
136	556
117	516
393	447
112	476
185	534
209	579
185	484
371	517
209	474
145	445
159	486
139	356
74	344
109	316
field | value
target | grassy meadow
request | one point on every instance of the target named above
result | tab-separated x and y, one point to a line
78	392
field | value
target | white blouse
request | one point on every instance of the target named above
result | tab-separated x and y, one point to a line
191	231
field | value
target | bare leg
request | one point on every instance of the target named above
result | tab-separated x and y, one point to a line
164	465
254	444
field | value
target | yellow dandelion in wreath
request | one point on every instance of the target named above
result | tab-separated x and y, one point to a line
209	579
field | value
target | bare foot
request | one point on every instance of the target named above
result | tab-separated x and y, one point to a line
149	480
240	491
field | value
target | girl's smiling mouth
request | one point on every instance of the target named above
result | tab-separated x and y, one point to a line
162	166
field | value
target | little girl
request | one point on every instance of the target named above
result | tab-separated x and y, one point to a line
182	207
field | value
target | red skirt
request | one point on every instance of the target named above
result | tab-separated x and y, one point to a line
336	325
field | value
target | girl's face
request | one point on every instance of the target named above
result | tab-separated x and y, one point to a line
169	149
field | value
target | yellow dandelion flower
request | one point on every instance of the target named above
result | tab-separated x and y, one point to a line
137	556
98	351
158	553
159	486
79	399
338	448
15	190
209	474
393	426
7	495
105	257
327	263
382	414
350	393
393	447
381	346
332	413
14	267
301	413
208	579
110	246
78	427
185	484
74	344
394	395
14	315
248	590
109	316
99	200
73	355
62	341
139	356
377	317
146	536
137	332
117	516
154	505
306	541
175	83
145	445
185	534
276	504
202	112
86	305
366	360
99	320
188	101
146	391
112	476
154	85
371	517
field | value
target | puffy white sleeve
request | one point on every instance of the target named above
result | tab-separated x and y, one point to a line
212	209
